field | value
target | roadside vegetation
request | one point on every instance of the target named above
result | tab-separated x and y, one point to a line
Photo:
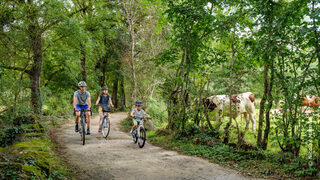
172	55
27	152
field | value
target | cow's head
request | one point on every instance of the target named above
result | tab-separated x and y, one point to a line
209	104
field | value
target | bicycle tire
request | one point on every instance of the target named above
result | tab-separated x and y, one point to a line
83	126
135	137
142	137
105	128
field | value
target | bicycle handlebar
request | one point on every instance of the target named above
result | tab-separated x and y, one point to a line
145	118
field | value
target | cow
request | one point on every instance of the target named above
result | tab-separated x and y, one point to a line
275	111
306	102
243	103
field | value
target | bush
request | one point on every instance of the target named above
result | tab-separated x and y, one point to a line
9	135
158	111
32	159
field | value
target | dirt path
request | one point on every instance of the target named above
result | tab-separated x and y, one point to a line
119	158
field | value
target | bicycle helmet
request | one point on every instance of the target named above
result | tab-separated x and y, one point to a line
82	83
105	88
138	103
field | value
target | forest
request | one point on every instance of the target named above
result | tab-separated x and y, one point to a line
172	55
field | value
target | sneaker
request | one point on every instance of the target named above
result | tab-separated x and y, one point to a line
99	130
88	131
77	128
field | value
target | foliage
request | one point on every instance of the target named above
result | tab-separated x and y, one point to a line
33	158
170	54
9	135
258	163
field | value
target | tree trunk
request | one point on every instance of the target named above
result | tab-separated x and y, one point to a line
35	36
102	68
267	112
115	93
226	138
130	20
83	62
122	94
316	36
262	105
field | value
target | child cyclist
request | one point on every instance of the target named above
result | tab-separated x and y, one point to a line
104	100
81	100
137	114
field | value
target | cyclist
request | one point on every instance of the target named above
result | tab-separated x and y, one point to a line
137	114
81	100
104	99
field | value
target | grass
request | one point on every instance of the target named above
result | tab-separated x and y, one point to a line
256	163
32	155
32	158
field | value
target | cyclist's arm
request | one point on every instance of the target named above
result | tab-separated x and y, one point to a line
110	102
89	103
147	115
131	114
97	102
75	103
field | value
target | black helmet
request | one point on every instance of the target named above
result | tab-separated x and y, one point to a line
138	103
104	88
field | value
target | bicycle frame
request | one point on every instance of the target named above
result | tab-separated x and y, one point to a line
140	124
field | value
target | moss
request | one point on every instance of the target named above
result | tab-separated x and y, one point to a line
33	171
34	134
35	160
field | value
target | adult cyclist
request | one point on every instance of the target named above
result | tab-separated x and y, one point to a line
81	100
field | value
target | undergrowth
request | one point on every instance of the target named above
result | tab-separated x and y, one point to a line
249	160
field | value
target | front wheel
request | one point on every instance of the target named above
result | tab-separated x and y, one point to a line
105	127
142	137
83	131
134	136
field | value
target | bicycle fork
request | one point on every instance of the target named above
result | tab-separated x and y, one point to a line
138	131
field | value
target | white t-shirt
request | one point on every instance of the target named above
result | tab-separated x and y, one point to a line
138	115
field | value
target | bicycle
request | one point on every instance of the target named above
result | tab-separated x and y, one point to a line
82	128
139	133
105	123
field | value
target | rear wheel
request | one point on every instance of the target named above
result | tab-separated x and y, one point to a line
142	137
105	127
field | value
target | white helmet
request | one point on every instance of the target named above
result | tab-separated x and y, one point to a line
82	83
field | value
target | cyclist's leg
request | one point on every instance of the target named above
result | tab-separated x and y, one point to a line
108	115
101	116
87	116
135	124
78	109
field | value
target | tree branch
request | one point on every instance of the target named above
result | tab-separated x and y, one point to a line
52	75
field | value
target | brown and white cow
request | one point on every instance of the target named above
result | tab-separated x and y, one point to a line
244	104
309	103
306	103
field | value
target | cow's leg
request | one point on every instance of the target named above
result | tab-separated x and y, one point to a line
246	116
219	116
253	121
246	128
